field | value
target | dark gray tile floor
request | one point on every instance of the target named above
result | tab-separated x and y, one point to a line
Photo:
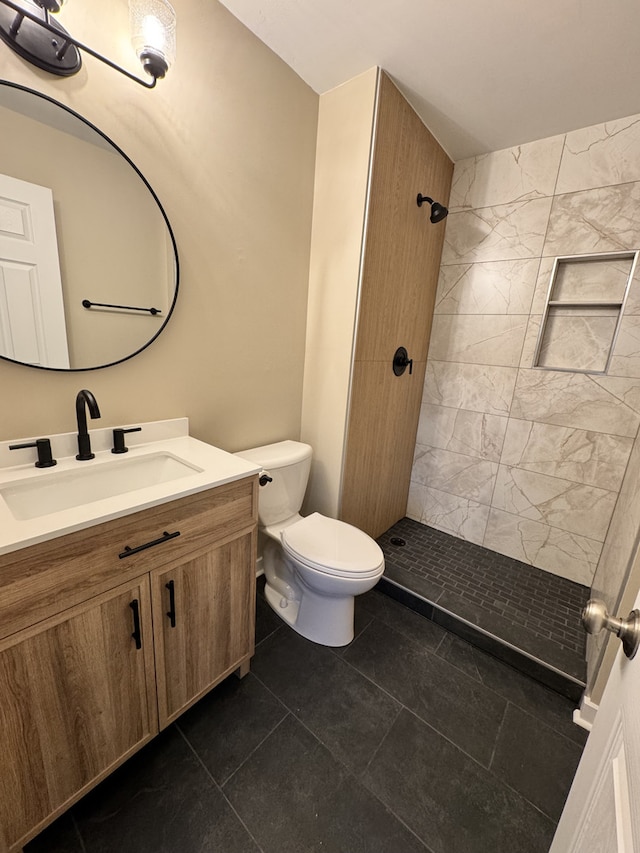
409	740
532	610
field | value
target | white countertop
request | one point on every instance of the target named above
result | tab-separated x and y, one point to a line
216	467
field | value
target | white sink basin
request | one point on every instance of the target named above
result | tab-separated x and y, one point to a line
55	491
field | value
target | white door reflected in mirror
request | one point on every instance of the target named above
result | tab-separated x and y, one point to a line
32	320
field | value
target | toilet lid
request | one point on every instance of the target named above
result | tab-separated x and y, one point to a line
332	546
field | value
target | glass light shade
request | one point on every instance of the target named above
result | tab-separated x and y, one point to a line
51	5
153	34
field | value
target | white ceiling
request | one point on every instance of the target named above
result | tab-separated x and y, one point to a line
483	74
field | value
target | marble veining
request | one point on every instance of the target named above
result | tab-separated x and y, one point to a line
484	339
582	456
464	518
474	433
541	289
626	352
632	305
495	287
573	400
499	233
576	341
513	174
601	155
599	279
626	390
465	476
477	388
574	507
599	220
562	553
530	341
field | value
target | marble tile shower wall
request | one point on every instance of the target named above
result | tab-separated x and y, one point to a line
524	461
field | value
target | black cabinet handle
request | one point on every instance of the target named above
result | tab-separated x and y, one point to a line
128	551
137	636
171	612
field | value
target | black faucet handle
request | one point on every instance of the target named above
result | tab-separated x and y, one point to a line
43	446
118	439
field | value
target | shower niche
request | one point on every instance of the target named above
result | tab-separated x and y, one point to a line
584	306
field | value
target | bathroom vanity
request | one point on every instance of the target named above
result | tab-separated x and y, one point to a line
110	631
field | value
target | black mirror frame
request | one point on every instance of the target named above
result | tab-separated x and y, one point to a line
162	211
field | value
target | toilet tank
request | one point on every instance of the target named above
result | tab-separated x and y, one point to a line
288	464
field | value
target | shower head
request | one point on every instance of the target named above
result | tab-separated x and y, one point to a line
438	211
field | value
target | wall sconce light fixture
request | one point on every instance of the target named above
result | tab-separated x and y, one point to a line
28	29
438	211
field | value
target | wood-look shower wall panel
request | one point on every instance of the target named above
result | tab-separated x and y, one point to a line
400	274
379	471
402	248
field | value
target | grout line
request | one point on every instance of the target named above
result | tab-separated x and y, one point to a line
446	634
498	733
515	790
425	722
388	808
415	713
78	833
486	633
349	770
477	679
379	747
256	748
219	789
456	568
270	634
545	618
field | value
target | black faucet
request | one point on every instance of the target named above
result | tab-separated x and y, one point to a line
85	398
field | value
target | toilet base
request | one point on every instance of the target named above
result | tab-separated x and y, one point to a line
326	620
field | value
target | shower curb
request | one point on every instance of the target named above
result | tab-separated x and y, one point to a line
553	678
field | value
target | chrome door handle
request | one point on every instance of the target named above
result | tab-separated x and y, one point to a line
595	618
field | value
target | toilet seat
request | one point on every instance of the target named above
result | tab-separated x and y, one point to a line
332	547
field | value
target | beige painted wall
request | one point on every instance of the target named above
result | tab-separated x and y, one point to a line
227	141
343	153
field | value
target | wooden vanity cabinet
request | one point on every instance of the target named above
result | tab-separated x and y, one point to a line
203	612
104	642
77	698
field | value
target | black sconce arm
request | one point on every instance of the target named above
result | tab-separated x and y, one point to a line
10	35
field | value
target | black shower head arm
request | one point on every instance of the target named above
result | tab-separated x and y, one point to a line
438	211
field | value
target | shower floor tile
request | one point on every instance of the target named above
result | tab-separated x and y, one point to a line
514	607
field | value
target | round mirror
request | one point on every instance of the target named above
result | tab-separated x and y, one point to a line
88	260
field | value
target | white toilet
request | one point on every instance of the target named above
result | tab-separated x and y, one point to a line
314	566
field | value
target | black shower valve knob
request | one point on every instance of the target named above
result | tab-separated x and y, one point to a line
401	361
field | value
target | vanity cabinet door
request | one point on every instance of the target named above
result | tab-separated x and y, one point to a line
204	621
77	698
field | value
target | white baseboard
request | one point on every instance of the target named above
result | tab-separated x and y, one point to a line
585	715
